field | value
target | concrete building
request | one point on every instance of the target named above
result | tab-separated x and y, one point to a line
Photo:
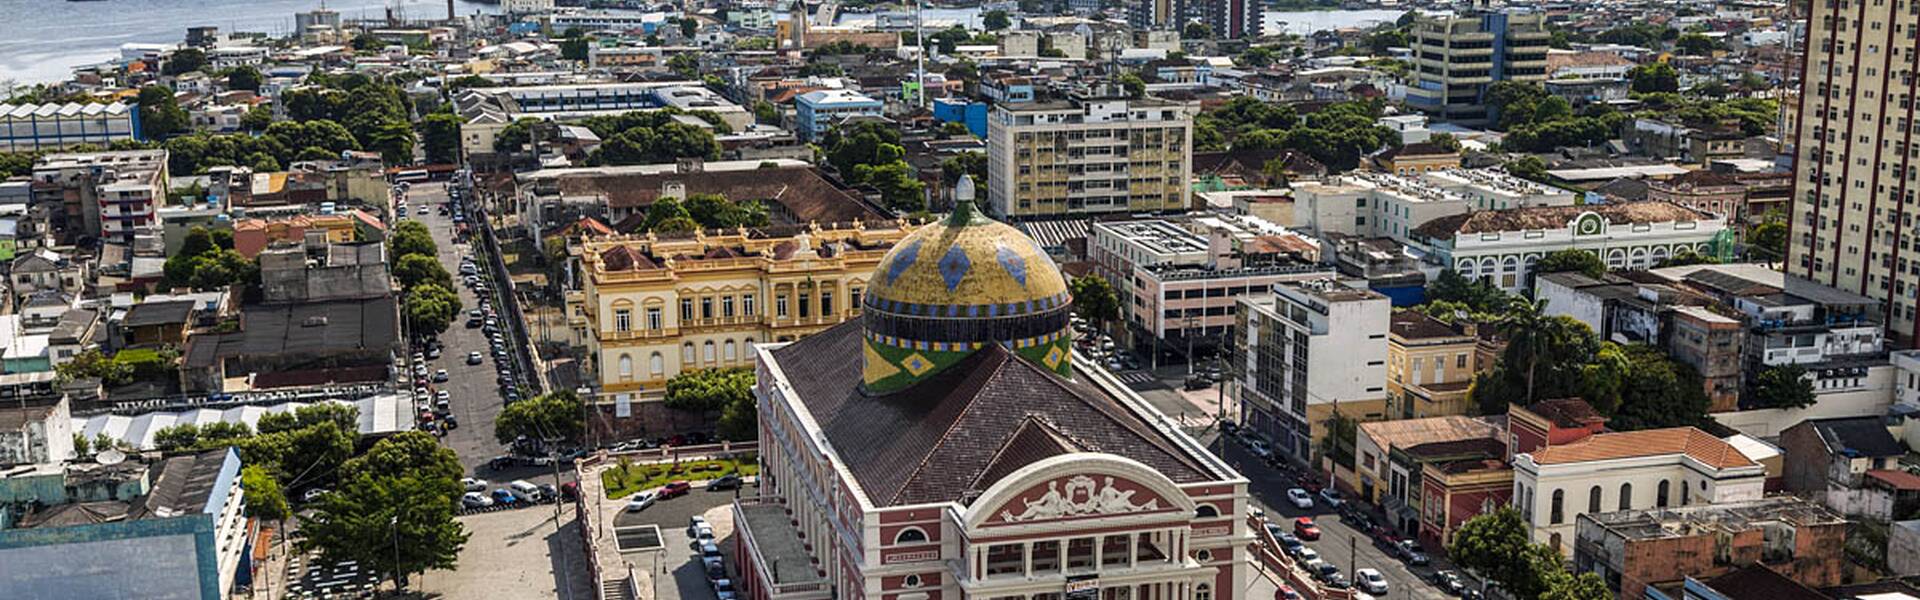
31	127
298	274
1227	19
1714	345
36	434
1092	154
1705	191
487	111
1009	469
1312	349
1557	484
71	532
1367	204
1634	550
1833	455
110	195
1839	232
1178	280
1458	56
1430	365
820	110
1416	159
1386	474
1502	245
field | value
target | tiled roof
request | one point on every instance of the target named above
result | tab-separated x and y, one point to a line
1555	217
1566	412
1900	480
1690	441
802	191
950	437
1407	433
1414	325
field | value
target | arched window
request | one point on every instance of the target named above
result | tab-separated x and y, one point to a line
1616	259
1205	511
1593	499
686	355
657	364
731	353
1556	514
709	350
626	366
1626	496
910	535
1638	259
1686	494
1660	495
1466	269
1203	592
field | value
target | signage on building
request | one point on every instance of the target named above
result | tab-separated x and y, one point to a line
1084	587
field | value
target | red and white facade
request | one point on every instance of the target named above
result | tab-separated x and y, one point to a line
1072	526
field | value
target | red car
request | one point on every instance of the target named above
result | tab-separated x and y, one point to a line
680	488
1285	593
1304	529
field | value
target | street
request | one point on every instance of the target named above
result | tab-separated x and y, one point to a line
1340	544
475	397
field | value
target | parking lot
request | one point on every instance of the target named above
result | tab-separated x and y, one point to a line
516	553
679	572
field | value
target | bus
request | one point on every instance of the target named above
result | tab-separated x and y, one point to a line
411	176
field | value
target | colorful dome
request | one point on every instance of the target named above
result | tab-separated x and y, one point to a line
954	286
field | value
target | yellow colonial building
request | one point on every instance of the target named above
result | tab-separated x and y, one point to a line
1430	365
651	306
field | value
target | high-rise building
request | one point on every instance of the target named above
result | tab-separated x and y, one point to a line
1851	218
1312	350
1229	19
1457	57
1153	14
1089	154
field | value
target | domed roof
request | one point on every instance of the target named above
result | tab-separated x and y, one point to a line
961	266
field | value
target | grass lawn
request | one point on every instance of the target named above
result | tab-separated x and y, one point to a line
624	479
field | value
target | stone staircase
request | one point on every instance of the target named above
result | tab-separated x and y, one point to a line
615	589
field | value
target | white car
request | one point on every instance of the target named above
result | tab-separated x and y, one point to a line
1331	497
473	484
476	500
1300	498
641	501
1307	555
1370	581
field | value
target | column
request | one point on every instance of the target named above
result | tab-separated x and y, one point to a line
1026	558
1133	549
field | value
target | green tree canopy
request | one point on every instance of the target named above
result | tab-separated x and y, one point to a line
1578	261
411	237
547	416
393	511
1783	386
431	308
160	113
416	269
440	138
264	498
1095	300
244	78
995	20
1655	77
183	61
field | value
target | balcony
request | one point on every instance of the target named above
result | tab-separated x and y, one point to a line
639	334
734	321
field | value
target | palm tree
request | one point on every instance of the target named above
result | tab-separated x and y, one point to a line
1525	322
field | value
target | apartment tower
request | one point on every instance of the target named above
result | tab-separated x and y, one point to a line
1851	221
1457	57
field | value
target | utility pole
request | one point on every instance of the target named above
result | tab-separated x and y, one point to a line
920	35
553	455
393	525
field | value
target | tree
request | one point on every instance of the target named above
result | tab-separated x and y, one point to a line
1655	77
1496	545
393	140
440	137
688	27
1196	30
1686	257
575	46
1258	56
995	20
1094	300
431	308
1476	296
1578	261
244	78
685	64
416	269
1768	241
654	145
1712	88
547	416
264	498
1695	44
1545	358
708	390
257	119
898	182
965	163
393	521
766	113
160	114
411	237
1784	386
1382	42
183	61
1136	87
1528	167
1659	392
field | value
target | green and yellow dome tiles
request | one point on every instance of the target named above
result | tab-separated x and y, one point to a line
954	286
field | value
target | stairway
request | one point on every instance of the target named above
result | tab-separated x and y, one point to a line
615	589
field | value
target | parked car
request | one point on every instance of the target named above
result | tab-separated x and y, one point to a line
1409	551
725	482
313	494
675	489
1304	528
698	528
640	501
504	496
710	555
475	500
526	490
1300	498
474	358
1288	541
1370	581
1285	592
1197	383
473	484
723	589
570	491
1447	581
1331	497
1305	554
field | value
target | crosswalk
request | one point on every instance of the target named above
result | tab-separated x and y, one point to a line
1135	377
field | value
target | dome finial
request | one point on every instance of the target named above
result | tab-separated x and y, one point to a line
964	212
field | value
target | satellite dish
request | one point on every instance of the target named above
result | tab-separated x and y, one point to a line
110	456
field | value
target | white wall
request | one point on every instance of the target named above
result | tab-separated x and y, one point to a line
1872	399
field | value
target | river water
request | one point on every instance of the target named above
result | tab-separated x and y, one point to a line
42	40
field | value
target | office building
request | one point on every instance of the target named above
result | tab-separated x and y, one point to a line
30	127
1094	153
171	528
1310	350
1153	14
110	195
918	454
820	110
1178	280
1850	217
1368	204
1227	19
1456	57
489	110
